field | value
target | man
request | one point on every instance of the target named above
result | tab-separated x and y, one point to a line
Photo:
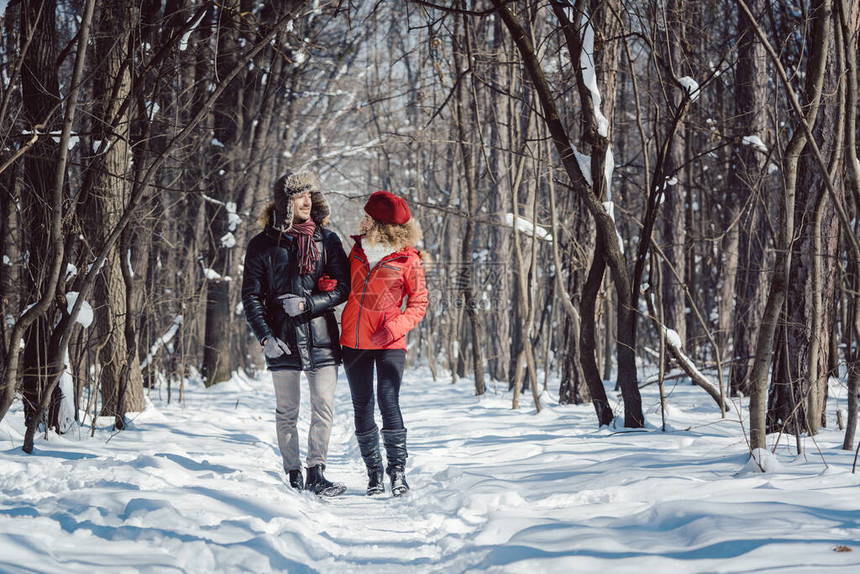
296	273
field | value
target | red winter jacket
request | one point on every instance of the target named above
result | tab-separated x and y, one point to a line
377	295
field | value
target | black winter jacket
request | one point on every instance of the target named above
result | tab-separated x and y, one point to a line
271	269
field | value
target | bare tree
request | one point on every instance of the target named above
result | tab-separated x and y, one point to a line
849	25
463	54
608	244
815	70
102	205
45	177
675	45
744	247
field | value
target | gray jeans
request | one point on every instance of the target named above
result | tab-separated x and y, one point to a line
288	394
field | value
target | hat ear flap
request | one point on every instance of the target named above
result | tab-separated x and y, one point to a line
283	217
320	210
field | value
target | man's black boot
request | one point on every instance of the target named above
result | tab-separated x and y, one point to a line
395	450
368	444
318	484
296	480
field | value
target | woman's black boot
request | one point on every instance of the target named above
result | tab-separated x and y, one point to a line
368	444
395	450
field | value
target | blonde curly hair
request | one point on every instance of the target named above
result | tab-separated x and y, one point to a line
396	235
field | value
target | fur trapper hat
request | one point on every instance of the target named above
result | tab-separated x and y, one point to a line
293	183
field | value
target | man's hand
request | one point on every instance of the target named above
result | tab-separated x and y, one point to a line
274	347
293	304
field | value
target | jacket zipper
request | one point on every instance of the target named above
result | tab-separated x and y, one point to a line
361	303
310	329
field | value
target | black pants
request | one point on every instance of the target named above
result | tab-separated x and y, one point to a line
359	364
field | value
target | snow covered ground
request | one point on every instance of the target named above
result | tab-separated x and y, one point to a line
198	488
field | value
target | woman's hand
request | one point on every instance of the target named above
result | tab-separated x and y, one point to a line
382	336
326	284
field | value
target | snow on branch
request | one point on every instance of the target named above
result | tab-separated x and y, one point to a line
691	86
584	163
608	170
589	75
227	240
212	199
162	341
55	136
183	42
525	226
755	143
345	151
85	315
128	265
213	275
674	343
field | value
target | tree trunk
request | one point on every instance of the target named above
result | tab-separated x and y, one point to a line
41	99
820	28
226	174
675	192
745	185
121	382
470	301
812	290
588	338
574	388
849	20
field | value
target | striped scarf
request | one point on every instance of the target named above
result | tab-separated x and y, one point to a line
308	252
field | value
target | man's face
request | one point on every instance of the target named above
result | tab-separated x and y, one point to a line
302	207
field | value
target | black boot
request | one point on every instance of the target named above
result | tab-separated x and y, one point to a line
320	485
368	444
296	480
395	450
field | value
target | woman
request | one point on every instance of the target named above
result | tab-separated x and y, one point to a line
385	268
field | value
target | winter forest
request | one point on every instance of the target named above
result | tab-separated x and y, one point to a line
597	184
601	185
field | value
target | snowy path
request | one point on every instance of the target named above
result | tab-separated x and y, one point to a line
198	488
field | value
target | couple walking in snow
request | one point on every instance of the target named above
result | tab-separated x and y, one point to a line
295	274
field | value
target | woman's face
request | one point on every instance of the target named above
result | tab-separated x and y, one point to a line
365	224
